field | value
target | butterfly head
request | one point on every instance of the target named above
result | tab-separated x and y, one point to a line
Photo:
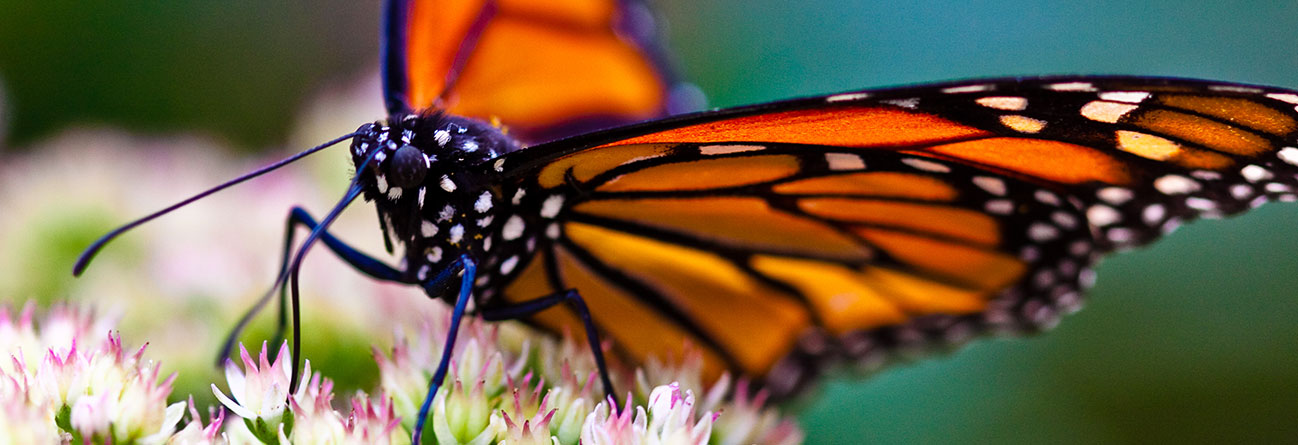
421	172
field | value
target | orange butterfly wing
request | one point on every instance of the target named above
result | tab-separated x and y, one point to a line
780	236
545	69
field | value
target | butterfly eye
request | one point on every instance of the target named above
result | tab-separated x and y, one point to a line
407	167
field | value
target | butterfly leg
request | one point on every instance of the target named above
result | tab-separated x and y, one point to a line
362	262
570	296
467	269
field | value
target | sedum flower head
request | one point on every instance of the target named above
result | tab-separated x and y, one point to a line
63	376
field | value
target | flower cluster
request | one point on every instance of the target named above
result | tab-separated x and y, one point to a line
68	379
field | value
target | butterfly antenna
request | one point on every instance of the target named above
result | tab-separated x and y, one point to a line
353	192
84	260
288	269
467	45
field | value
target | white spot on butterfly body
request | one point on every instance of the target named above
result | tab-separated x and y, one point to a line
1133	97
483	204
447	184
469	146
552	205
382	183
844	161
442	137
394	193
455	234
925	165
1176	185
712	150
513	228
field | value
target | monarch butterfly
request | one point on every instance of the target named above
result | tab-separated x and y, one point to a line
1155	144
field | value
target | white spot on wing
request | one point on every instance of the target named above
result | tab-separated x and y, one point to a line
1115	195
552	231
1007	103
1153	214
552	205
518	197
1133	97
844	161
1284	97
446	213
709	150
999	206
992	185
499	165
1108	112
508	265
513	228
447	184
1072	86
1045	196
926	165
846	97
912	102
1176	185
1255	173
422	191
394	193
1289	155
1041	232
442	137
1023	124
1101	215
967	89
428	229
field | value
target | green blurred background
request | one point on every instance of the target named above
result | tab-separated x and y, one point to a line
1192	340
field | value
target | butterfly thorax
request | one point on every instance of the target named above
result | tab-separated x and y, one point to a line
430	192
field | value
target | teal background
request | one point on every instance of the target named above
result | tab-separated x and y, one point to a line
1194	339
